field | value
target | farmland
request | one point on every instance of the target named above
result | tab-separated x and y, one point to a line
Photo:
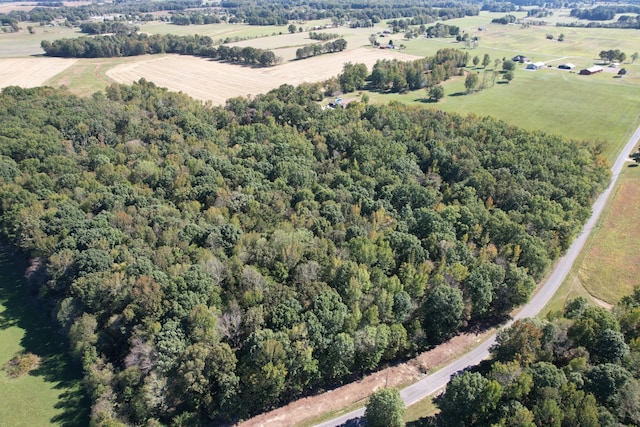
216	81
31	72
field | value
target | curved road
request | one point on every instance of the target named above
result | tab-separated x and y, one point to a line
432	383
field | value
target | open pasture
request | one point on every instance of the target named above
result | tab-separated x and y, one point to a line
22	44
216	81
580	46
598	108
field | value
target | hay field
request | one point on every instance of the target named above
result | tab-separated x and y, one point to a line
30	72
216	81
609	269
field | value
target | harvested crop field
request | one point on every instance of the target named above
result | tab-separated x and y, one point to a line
217	81
30	72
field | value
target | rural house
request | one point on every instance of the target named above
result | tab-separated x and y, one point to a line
591	70
535	65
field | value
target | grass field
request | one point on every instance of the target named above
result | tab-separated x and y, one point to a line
51	394
609	266
22	44
598	108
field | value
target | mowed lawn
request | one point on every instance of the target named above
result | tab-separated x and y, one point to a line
51	394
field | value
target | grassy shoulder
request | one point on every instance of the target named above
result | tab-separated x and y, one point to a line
50	394
608	267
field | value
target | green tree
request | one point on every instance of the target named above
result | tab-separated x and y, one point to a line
385	409
436	93
469	400
292	28
443	312
475	61
521	342
486	60
508	65
634	57
352	77
609	346
508	76
470	82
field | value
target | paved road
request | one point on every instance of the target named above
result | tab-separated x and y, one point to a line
432	383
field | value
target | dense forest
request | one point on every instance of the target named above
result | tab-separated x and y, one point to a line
582	369
207	263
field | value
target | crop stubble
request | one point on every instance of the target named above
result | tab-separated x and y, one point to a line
30	72
217	81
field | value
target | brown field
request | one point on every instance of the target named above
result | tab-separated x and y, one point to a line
28	5
284	40
30	72
216	81
8	7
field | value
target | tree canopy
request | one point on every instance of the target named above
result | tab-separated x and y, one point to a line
554	373
207	263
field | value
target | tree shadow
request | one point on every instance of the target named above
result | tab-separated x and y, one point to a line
422	422
355	422
457	94
42	340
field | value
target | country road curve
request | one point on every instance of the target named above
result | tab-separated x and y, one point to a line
432	383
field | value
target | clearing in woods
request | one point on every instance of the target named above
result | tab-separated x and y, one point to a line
217	81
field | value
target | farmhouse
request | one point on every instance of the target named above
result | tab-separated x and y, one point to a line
535	65
591	70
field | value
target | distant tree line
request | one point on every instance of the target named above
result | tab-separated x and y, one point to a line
397	76
612	55
625	21
195	18
104	27
207	263
77	14
9	24
322	36
442	30
265	12
507	19
262	12
539	13
142	44
319	49
503	7
604	13
399	25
